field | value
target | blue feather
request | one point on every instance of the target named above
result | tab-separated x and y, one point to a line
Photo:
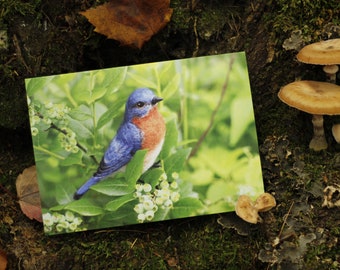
120	151
127	141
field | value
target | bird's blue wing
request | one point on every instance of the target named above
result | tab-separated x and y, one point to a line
120	151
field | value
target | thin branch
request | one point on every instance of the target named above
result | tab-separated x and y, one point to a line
81	147
194	54
285	219
53	126
213	115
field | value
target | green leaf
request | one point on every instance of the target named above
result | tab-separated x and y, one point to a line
171	138
90	95
41	153
118	202
111	78
140	80
219	193
78	85
186	207
162	214
171	88
220	161
84	207
175	162
166	69
57	208
80	129
81	113
72	159
114	187
36	84
200	176
85	89
122	216
241	116
185	188
135	167
64	194
152	176
110	114
219	190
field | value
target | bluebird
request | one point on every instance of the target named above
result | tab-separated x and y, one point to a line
143	127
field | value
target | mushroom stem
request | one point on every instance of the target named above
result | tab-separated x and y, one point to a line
318	141
336	132
331	71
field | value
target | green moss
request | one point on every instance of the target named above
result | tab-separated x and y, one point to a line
286	16
323	256
181	19
11	7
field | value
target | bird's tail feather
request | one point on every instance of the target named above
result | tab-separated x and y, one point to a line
84	188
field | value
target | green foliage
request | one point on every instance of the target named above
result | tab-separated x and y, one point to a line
74	116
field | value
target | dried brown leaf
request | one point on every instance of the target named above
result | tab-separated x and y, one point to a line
3	260
28	193
132	22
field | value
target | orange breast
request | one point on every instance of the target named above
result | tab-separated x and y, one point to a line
153	127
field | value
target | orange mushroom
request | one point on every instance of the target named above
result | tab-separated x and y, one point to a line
265	202
326	53
336	132
249	211
316	98
246	210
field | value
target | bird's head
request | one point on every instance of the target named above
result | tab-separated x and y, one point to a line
139	103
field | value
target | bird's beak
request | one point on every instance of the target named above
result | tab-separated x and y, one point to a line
155	100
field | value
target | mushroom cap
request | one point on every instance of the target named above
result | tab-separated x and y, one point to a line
321	53
331	69
265	202
245	209
312	97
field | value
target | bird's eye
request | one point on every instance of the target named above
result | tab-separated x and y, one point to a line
140	104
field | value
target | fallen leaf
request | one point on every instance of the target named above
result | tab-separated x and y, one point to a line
132	22
3	260
28	193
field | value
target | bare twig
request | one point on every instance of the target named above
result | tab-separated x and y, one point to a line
53	126
81	147
194	54
19	54
285	219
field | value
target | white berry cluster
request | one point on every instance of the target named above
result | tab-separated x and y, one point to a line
49	113
56	111
163	196
68	140
34	118
60	223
